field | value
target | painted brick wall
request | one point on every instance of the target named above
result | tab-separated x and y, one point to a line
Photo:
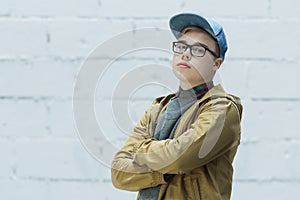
44	43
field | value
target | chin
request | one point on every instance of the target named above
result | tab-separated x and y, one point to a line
179	75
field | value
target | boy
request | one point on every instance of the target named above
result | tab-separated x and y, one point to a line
184	145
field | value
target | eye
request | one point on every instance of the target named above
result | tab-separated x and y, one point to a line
180	47
198	50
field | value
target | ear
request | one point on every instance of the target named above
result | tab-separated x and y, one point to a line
217	64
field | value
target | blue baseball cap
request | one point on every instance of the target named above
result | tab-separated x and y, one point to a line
181	21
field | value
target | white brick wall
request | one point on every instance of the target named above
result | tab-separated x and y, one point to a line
21	37
53	9
23	118
56	159
44	43
230	8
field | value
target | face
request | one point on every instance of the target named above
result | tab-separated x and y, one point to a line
191	70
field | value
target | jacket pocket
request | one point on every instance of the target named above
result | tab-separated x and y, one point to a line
192	188
196	189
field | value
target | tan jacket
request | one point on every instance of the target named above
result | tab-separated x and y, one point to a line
200	155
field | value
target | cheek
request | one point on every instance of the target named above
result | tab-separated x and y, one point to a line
174	63
202	69
175	59
203	66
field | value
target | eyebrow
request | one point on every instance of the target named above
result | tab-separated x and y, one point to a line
196	43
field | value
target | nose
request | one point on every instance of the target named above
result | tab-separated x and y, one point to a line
186	55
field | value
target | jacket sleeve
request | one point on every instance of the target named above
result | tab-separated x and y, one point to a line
127	174
215	131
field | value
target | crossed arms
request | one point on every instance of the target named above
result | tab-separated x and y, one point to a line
142	161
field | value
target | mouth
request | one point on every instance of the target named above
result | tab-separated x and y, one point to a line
183	65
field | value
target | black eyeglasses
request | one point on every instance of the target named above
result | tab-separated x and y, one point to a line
197	50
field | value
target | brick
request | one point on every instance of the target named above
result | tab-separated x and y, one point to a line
123	78
116	123
255	79
6	8
270	120
263	76
38	78
22	38
112	127
151	23
49	190
267	190
261	39
54	8
139	9
15	189
233	76
23	118
231	8
268	160
61	119
58	159
285	9
98	190
7	157
147	77
78	38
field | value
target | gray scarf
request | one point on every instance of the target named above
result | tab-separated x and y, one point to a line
167	123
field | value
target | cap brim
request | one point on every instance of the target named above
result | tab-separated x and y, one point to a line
181	21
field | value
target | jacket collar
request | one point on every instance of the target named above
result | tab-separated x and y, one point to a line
215	92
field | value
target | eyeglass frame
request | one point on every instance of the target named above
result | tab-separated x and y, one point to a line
190	47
